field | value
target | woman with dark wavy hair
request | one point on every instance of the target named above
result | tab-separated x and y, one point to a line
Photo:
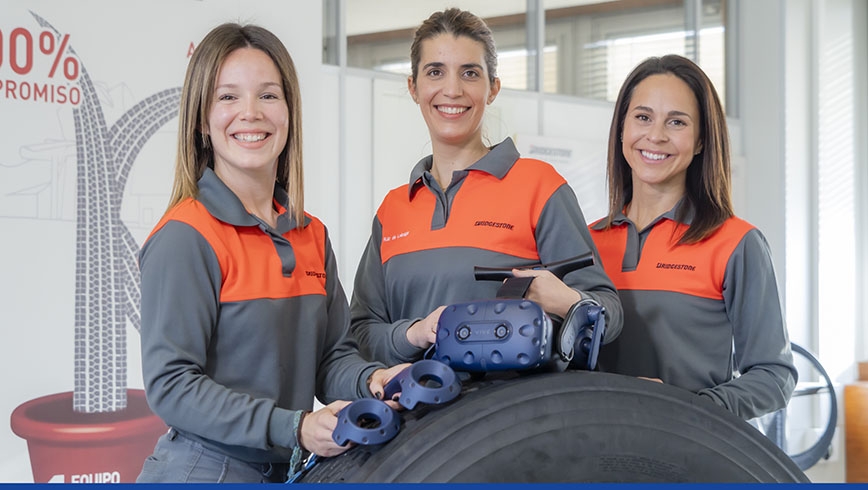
701	303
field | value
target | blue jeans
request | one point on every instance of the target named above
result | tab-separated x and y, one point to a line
178	459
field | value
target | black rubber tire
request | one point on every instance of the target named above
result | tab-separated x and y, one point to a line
576	426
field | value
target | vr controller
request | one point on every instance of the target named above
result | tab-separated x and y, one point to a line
589	322
368	421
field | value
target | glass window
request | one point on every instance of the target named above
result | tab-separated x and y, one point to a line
330	34
380	32
589	46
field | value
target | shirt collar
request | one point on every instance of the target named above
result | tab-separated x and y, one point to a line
621	218
496	162
224	205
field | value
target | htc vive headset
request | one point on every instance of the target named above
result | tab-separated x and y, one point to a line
513	333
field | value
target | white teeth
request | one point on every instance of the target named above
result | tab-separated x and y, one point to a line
654	156
451	110
250	138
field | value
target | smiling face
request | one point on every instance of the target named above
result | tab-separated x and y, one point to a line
452	89
248	121
661	132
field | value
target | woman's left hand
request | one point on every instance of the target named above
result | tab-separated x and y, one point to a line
380	378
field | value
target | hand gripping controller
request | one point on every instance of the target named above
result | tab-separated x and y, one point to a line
425	381
588	320
369	421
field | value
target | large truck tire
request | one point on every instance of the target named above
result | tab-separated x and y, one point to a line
576	426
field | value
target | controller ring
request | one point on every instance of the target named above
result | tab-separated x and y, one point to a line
412	383
348	429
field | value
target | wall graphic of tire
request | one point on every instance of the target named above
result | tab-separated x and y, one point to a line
107	294
567	427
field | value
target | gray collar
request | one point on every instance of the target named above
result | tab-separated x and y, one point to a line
497	162
621	218
224	205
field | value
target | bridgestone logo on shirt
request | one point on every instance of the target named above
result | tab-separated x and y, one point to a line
686	267
494	224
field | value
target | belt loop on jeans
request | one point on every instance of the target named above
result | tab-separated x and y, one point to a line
172	433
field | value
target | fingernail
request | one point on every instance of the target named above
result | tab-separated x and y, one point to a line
378	395
396	398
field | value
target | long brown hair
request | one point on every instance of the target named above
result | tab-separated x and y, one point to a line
709	181
194	151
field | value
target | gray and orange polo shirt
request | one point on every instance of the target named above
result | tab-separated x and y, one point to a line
706	317
502	211
243	324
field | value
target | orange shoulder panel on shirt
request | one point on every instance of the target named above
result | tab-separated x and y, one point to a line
487	213
697	269
249	263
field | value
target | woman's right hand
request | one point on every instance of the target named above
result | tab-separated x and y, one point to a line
552	294
424	332
317	427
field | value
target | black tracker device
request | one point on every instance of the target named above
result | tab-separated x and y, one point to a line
560	268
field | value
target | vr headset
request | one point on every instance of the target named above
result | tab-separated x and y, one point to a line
513	333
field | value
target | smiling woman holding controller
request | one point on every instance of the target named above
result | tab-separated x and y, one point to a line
467	204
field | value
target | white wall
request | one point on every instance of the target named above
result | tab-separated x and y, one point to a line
761	110
860	83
